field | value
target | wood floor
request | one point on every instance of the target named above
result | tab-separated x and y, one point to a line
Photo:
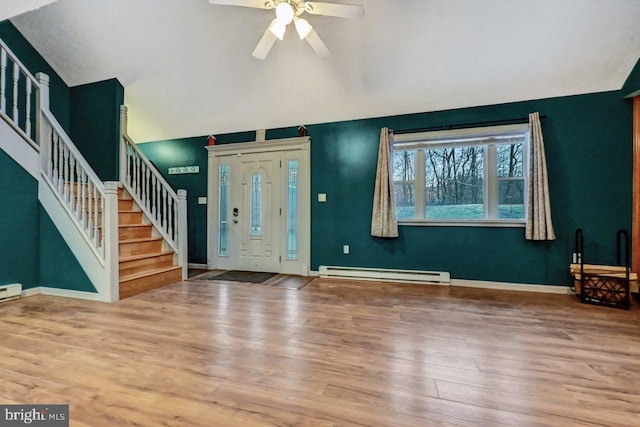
335	353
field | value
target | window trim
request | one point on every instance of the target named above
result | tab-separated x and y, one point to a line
467	137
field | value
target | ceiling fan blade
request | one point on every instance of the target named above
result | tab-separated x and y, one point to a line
317	44
258	4
264	45
333	9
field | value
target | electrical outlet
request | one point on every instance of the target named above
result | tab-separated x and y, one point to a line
577	257
322	197
345	249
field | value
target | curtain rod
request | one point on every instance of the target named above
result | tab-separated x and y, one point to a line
467	125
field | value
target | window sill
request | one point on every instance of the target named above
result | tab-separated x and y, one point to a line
464	223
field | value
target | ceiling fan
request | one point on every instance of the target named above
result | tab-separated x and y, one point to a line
288	11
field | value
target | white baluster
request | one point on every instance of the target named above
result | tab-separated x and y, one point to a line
60	162
50	155
173	221
66	173
146	185
55	157
135	174
16	78
27	123
3	74
181	231
156	202
140	179
143	175
129	165
165	208
97	222
83	196
103	230
154	197
73	190
89	228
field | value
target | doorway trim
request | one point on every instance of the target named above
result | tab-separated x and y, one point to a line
635	220
217	152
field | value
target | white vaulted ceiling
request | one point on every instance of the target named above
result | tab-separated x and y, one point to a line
187	67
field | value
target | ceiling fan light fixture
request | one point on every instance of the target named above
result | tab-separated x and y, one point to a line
278	28
284	13
302	27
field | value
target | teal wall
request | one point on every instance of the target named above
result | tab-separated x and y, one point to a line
35	63
95	125
32	251
19	228
588	146
59	267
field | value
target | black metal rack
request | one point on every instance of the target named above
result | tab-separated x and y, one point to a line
608	289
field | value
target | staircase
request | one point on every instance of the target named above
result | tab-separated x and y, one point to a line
144	261
129	236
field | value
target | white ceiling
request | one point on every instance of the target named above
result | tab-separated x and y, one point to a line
187	67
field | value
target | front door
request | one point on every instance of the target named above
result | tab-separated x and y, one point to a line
255	212
259	215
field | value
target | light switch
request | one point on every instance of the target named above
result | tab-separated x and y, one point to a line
322	197
202	200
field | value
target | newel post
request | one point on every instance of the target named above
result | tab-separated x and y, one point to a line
183	250
42	104
123	144
110	236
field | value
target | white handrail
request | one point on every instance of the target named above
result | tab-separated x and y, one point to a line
21	95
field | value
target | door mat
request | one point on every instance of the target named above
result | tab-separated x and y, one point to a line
237	276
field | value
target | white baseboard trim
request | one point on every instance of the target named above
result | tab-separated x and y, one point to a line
66	293
484	284
31	292
198	266
523	287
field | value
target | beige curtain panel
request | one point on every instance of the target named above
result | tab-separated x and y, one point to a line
383	219
539	226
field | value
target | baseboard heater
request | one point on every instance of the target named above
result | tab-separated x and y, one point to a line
387	275
10	292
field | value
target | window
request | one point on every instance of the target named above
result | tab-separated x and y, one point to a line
256	204
224	198
292	209
466	176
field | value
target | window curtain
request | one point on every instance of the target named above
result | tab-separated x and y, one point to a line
383	219
539	226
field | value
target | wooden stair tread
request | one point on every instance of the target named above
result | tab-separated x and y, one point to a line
146	273
141	239
134	225
143	256
128	211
